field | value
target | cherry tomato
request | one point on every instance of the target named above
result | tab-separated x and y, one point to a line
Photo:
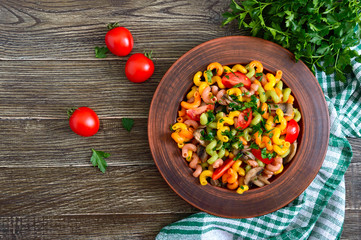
258	154
84	122
195	113
242	122
233	78
119	41
139	68
292	131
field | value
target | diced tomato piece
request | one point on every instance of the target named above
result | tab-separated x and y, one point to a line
233	78
242	122
258	154
222	169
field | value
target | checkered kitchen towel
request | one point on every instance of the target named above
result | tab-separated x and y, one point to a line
318	213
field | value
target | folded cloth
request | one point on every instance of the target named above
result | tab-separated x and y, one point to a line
319	212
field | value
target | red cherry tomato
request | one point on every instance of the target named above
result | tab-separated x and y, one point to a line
242	122
233	78
195	113
258	154
84	122
139	68
119	41
292	131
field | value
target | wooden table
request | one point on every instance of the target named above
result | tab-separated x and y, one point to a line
49	189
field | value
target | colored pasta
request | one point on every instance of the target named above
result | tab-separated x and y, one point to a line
237	126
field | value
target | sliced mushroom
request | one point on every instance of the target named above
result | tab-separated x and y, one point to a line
202	154
258	183
215	182
263	179
252	174
247	155
228	99
293	149
286	108
197	136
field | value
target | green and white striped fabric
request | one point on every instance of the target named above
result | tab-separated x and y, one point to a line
318	213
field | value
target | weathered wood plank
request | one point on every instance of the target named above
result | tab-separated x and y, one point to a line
352	180
51	143
353	177
84	190
352	226
356	148
69	30
353	186
122	226
46	89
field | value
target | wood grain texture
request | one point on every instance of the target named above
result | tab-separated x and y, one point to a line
353	178
51	143
352	227
46	89
47	64
121	226
84	190
70	30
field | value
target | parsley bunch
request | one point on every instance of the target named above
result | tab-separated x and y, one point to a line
320	33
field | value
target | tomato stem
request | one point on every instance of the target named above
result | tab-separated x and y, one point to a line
110	26
70	111
148	54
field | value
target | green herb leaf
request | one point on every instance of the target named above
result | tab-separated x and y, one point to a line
254	146
227	146
320	33
257	128
238	156
276	119
127	123
358	59
265	154
97	159
259	74
210	116
209	75
208	137
238	85
100	52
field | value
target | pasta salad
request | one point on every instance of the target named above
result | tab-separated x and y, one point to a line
237	126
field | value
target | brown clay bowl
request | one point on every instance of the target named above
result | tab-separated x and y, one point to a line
312	142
